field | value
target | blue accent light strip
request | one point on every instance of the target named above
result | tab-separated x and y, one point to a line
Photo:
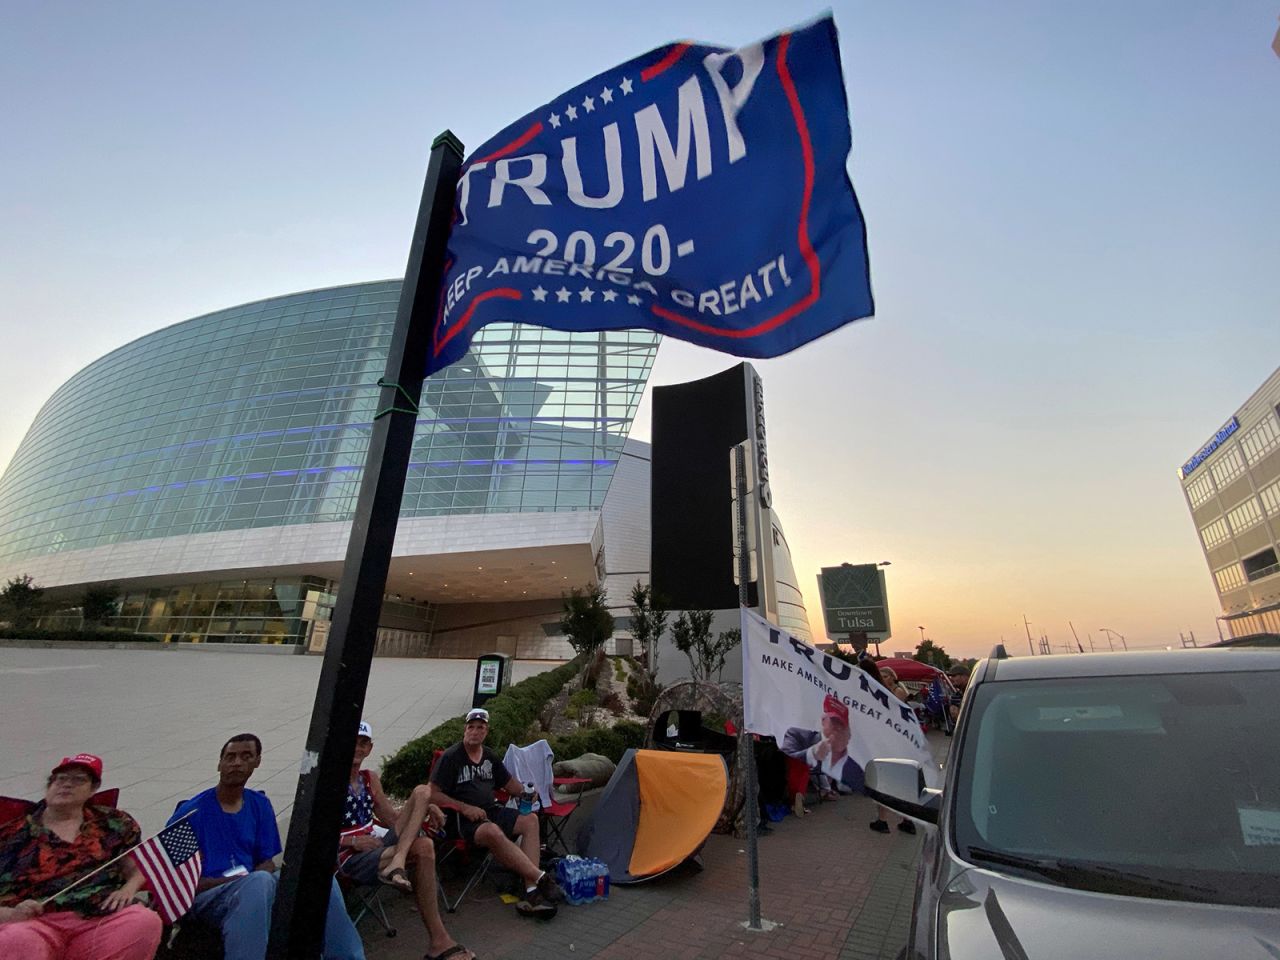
348	468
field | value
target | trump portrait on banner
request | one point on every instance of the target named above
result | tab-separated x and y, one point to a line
826	751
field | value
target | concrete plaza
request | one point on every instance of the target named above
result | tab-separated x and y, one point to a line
159	717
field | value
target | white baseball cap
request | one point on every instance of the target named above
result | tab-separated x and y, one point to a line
365	730
478	714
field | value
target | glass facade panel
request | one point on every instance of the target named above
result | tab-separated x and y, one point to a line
260	415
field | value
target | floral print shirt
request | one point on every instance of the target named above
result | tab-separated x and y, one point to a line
36	863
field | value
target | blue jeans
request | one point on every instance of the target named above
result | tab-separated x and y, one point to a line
241	909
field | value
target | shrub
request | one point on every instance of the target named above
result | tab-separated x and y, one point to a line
584	698
111	636
511	714
611	742
612	702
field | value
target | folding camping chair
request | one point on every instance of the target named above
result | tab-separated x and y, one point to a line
368	900
556	817
454	849
533	763
11	808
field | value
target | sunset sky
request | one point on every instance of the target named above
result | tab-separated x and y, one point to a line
1073	213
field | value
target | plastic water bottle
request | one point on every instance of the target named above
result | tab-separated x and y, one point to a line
599	880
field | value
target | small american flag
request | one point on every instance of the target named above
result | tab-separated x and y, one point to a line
171	863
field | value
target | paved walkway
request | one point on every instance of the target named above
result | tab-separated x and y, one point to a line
159	717
835	889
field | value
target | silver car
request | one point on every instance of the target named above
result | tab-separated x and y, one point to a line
1111	805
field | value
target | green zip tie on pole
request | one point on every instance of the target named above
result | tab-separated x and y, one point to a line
412	408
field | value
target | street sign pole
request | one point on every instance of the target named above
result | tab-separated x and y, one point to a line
302	898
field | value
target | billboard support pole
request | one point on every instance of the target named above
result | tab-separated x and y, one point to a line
302	898
746	751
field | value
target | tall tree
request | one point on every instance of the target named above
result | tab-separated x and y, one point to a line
692	635
20	601
586	622
648	621
932	654
98	603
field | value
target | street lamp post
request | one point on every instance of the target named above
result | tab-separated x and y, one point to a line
1108	631
921	629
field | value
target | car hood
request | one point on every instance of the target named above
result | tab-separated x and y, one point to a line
989	915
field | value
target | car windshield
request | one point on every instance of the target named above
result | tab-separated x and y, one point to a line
1161	786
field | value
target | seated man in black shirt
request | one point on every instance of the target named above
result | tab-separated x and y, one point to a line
464	778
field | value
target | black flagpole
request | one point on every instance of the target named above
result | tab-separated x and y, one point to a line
302	899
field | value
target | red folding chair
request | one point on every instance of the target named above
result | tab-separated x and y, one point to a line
454	849
11	808
556	817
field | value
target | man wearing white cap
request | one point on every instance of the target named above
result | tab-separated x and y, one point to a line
370	854
465	777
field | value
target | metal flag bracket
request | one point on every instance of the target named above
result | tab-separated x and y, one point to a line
411	408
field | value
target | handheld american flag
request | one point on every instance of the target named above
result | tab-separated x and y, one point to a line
171	863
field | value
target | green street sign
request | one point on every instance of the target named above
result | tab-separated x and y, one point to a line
853	598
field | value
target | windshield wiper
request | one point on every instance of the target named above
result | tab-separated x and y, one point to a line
1045	868
1095	876
1129	881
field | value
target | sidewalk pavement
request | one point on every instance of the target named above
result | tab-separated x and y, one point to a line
159	718
837	891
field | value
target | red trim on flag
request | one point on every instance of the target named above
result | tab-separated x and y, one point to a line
505	292
806	247
514	145
666	63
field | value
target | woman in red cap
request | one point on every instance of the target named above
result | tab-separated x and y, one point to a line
63	839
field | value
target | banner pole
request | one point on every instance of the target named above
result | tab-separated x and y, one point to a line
746	751
302	897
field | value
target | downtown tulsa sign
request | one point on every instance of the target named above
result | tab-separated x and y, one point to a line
696	191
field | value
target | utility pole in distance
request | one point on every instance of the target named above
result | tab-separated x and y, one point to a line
1030	645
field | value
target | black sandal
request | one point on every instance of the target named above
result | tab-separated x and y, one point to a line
398	879
453	951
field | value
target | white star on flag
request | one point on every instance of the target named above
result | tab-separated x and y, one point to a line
585	294
562	295
606	95
572	111
633	300
626	86
610	296
588	104
555	120
539	294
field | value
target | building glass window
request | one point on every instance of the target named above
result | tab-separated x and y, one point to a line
1245	515
1270	497
1261	439
1200	490
1230	577
1227	467
260	415
1215	534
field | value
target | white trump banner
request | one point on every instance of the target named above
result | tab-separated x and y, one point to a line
823	710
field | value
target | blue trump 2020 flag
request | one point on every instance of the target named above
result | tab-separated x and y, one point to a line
696	191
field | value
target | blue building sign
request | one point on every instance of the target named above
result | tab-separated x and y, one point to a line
1228	428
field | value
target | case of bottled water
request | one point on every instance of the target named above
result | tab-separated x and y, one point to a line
584	880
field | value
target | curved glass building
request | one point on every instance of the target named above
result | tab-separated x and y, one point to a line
210	471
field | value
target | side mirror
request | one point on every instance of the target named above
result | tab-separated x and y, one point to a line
899	785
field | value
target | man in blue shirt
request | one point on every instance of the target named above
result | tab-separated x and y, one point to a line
238	843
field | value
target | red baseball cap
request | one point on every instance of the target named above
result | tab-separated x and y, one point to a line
87	760
833	708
